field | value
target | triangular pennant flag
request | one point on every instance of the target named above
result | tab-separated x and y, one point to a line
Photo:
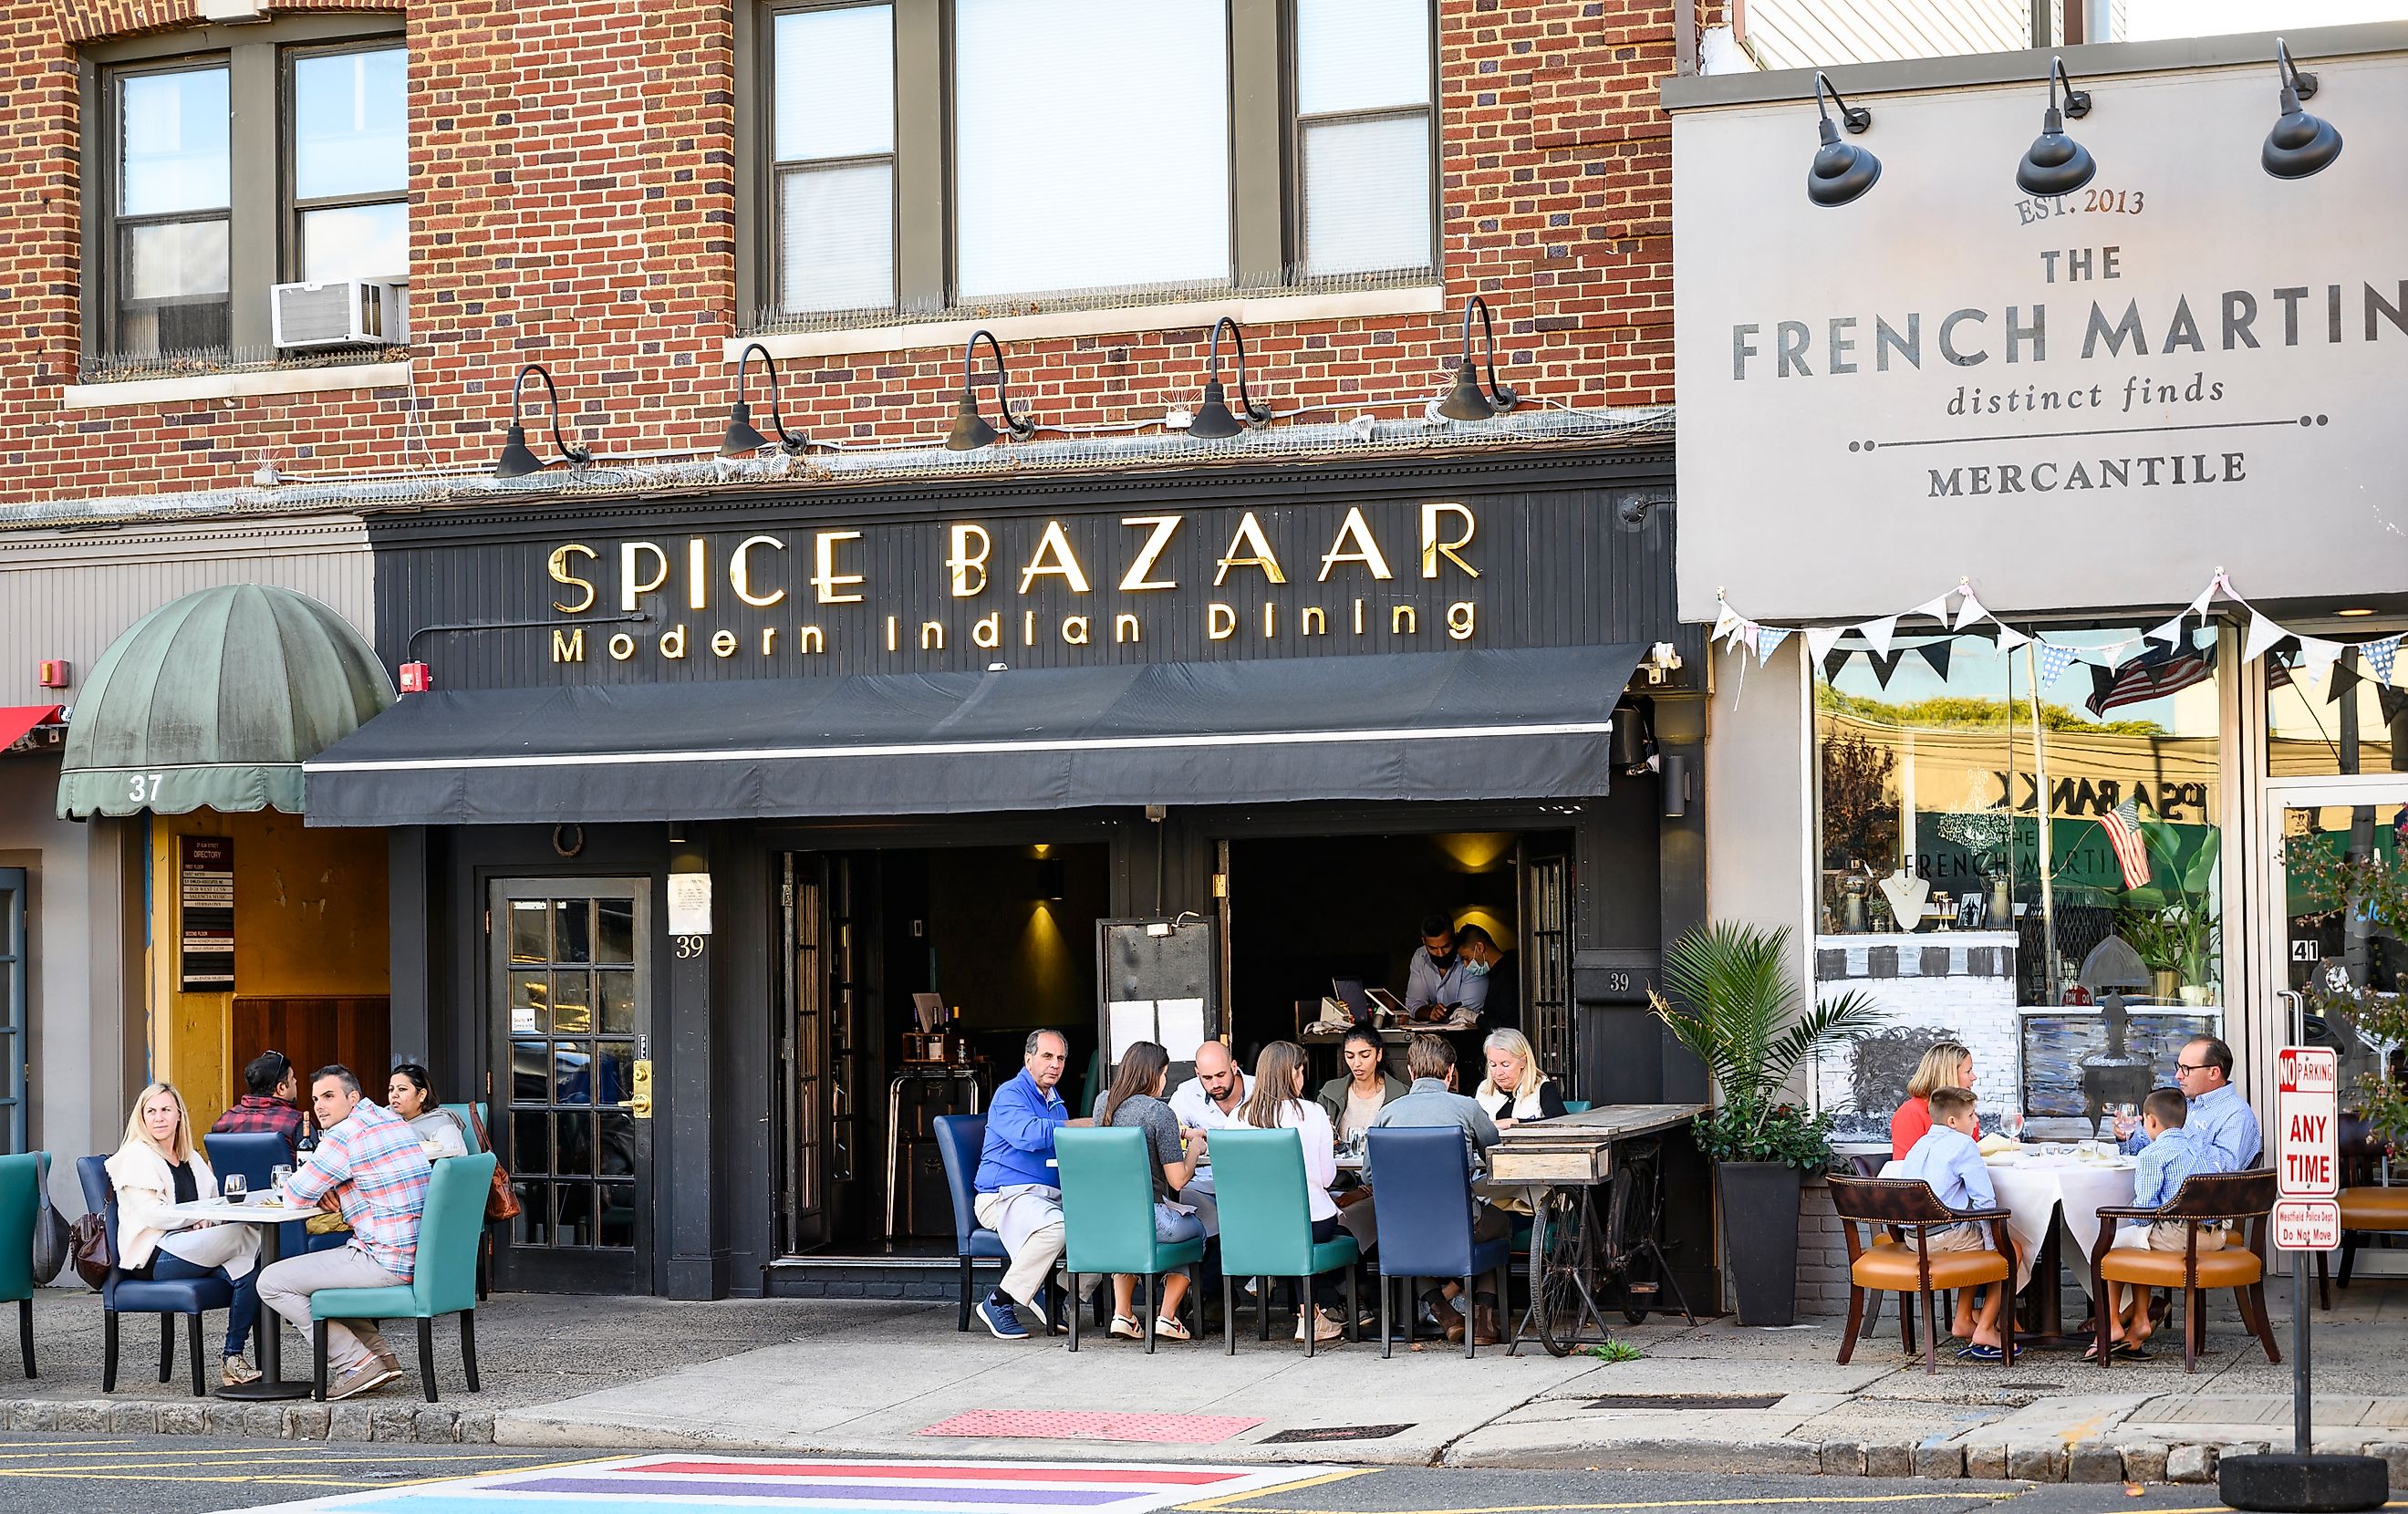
2344	679
1877	633
2380	655
2054	660
2316	658
1937	654
2171	632
2199	606
1820	639
1936	608
1832	662
1885	664
1768	641
2395	704
2102	680
1724	618
2122	652
2263	634
1971	611
2010	638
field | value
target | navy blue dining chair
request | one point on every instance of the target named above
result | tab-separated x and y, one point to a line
253	1154
959	1141
120	1294
1421	1199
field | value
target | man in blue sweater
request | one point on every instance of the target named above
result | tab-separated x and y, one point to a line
1019	1194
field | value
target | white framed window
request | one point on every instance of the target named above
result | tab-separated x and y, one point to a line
1363	140
832	131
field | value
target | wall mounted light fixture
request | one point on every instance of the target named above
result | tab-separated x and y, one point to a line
1466	401
1841	172
2299	144
743	438
1214	421
2055	164
970	430
517	461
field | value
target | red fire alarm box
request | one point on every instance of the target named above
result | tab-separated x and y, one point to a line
416	678
57	672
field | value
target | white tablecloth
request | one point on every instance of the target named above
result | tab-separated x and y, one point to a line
2034	1188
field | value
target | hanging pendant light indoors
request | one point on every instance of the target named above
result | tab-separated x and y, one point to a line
743	437
970	431
2299	144
1466	401
1214	421
1841	172
2055	164
517	461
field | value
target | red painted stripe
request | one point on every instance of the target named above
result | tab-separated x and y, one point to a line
926	1473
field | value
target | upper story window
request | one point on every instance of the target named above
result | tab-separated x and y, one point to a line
924	155
218	174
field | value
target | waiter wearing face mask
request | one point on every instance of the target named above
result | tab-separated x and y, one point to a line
1440	975
1484	961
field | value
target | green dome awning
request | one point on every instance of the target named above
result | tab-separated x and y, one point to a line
215	701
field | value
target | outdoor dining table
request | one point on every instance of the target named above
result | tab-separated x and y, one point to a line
2034	1185
271	1217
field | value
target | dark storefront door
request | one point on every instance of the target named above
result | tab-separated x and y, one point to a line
13	1066
571	1008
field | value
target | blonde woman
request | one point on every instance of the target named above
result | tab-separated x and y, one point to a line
1947	1064
1515	1091
161	1166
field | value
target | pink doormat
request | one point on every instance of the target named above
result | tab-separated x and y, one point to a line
1069	1424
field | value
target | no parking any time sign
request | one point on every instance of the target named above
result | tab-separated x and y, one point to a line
2307	1149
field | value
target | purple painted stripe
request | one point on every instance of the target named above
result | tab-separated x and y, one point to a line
783	1488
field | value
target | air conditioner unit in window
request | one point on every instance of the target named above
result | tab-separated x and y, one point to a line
341	312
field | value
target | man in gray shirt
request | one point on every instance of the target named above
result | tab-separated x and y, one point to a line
1439	974
1432	1102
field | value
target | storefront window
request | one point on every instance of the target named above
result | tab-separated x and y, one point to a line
2350	721
2040	881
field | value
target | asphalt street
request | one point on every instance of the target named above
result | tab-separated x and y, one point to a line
171	1475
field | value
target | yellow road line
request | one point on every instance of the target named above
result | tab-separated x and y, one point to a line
1214	1505
1238	1506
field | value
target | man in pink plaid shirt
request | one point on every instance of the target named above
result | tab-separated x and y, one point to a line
376	1168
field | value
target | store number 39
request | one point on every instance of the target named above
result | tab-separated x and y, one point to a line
144	789
690	946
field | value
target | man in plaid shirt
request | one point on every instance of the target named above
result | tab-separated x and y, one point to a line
268	1105
374	1164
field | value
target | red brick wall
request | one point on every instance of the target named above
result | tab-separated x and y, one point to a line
572	194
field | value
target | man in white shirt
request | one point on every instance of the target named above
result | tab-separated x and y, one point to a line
1208	1102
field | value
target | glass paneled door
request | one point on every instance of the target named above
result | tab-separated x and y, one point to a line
13	1064
571	1008
2341	857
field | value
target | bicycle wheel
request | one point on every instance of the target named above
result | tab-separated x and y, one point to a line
1559	1252
1629	1225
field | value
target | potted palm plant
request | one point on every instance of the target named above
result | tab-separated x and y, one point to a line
1737	1008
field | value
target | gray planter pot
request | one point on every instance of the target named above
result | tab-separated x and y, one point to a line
1759	1204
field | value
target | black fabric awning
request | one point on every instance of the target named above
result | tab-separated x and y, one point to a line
1472	724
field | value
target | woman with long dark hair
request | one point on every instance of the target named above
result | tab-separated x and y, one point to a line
1135	1100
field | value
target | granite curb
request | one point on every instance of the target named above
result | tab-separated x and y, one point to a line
422	1424
2036	1459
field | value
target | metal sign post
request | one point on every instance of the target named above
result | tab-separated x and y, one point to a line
2307	1218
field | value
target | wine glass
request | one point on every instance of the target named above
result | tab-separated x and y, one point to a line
237	1187
278	1176
2126	1119
2011	1125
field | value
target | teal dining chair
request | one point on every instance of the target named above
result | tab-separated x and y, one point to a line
1108	1216
472	1121
443	1281
21	1205
1266	1229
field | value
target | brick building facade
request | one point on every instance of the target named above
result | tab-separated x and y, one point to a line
573	200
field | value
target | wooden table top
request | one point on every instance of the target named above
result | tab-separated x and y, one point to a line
1605	1123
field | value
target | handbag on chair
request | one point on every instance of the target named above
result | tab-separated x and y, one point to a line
502	1201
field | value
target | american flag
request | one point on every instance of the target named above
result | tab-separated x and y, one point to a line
2153	675
2123	827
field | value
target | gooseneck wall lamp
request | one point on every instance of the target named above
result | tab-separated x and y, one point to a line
2299	144
743	438
1840	171
1214	420
970	430
1466	401
516	461
2055	164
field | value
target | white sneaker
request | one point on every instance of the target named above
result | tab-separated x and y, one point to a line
1124	1328
1324	1327
236	1372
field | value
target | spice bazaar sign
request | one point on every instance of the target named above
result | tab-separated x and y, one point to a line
2090	400
995	586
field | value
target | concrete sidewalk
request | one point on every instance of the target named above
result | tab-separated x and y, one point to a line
871	1378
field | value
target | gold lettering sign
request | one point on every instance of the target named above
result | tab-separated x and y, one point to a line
1433	548
1054	557
632	590
1366	550
1139	576
558	566
740	572
968	568
1249	540
827	581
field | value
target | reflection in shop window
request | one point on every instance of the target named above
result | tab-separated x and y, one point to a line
2351	722
2037	879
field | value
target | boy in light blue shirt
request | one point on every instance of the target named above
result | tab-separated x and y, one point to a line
1947	1159
2171	1154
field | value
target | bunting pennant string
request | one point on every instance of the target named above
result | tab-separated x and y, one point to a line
2136	663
